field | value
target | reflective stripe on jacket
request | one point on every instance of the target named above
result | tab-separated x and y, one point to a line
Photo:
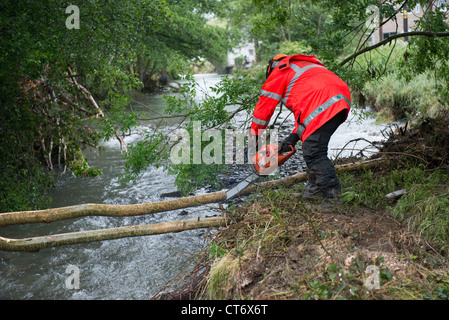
313	93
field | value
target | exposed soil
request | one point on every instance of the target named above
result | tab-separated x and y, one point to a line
323	255
348	241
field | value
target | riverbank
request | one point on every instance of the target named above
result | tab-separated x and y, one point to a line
369	246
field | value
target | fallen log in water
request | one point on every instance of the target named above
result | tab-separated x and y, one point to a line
83	210
37	243
93	209
49	215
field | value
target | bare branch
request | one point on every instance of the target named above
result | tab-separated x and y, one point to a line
86	93
391	38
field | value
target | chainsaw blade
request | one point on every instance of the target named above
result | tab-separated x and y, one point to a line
234	191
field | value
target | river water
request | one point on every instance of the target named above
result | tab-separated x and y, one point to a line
129	268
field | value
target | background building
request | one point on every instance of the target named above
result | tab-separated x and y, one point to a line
242	57
406	20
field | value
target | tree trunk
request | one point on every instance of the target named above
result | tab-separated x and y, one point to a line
37	243
83	210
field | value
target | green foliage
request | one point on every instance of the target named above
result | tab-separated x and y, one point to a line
23	189
370	189
398	89
339	282
441	293
382	60
80	166
191	175
412	100
149	151
212	107
118	118
429	54
232	94
41	107
409	80
185	36
294	47
239	61
424	207
216	251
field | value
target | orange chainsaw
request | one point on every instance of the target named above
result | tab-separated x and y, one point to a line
265	162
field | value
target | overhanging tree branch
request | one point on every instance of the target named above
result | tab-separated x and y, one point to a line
391	38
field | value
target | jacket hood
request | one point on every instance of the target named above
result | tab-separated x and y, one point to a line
302	57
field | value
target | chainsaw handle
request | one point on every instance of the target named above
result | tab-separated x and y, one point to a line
269	155
282	158
292	149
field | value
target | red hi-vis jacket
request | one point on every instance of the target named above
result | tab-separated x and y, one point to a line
313	93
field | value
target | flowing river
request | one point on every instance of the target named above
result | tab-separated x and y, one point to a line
129	268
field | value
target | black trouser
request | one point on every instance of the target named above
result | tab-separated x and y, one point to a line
320	169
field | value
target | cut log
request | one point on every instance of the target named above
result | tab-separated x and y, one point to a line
83	210
37	243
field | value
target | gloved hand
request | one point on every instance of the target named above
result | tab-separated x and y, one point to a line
291	140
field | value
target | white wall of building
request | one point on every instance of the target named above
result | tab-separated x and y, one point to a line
247	50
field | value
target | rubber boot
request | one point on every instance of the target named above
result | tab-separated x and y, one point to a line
333	193
312	192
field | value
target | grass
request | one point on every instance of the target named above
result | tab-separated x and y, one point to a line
279	247
390	94
424	208
394	98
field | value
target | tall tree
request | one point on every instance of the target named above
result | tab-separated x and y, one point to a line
59	84
185	36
